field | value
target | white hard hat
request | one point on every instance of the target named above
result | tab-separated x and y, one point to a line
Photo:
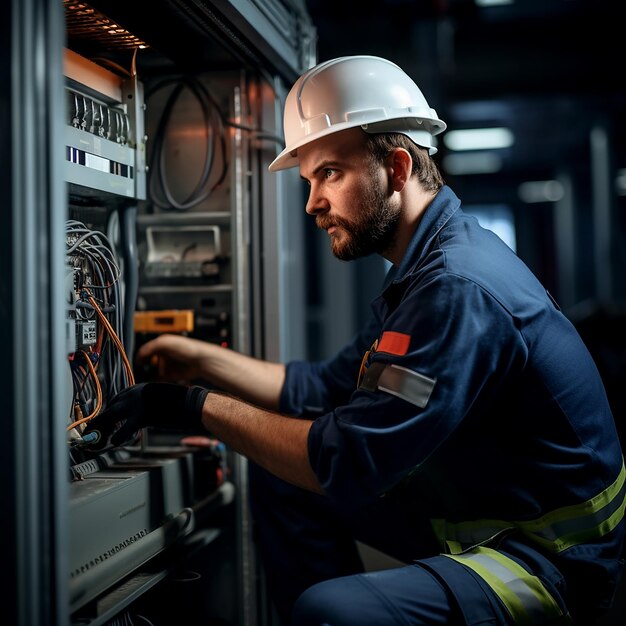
364	91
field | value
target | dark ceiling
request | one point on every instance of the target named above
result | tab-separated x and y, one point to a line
546	68
523	47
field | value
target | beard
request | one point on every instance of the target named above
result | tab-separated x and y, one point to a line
373	230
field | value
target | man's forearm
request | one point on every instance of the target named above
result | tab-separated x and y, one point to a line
254	380
275	442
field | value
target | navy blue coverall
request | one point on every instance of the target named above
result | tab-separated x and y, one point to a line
474	443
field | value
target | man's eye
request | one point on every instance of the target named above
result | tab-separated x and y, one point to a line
328	172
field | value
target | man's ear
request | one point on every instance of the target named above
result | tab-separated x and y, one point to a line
400	167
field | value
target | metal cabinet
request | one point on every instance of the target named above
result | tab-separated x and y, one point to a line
147	136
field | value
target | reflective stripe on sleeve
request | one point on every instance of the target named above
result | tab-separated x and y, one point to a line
399	381
524	596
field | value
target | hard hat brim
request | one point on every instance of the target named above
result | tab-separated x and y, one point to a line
422	137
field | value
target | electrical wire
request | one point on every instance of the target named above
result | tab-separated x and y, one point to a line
96	380
160	192
215	124
144	619
113	335
99	366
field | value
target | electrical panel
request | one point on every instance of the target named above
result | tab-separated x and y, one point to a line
169	223
104	132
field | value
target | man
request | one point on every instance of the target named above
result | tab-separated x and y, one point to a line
465	431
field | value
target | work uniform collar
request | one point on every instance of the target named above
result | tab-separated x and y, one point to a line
437	213
434	218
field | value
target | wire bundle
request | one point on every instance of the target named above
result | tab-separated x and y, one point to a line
160	191
100	369
215	125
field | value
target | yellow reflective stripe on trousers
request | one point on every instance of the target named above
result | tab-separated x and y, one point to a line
526	599
555	531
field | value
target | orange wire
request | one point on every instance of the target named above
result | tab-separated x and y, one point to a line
92	371
95	412
116	340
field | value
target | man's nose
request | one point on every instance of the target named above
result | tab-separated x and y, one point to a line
316	203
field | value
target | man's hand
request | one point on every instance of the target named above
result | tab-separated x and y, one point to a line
178	359
162	405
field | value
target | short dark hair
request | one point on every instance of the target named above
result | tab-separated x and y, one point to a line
426	170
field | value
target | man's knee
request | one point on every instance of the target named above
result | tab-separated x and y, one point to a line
325	604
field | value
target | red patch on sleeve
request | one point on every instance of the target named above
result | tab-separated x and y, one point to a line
394	343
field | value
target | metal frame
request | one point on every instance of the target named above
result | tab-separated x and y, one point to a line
32	317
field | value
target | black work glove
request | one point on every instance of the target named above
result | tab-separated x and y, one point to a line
163	405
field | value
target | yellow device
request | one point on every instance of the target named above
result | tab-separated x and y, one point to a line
166	321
